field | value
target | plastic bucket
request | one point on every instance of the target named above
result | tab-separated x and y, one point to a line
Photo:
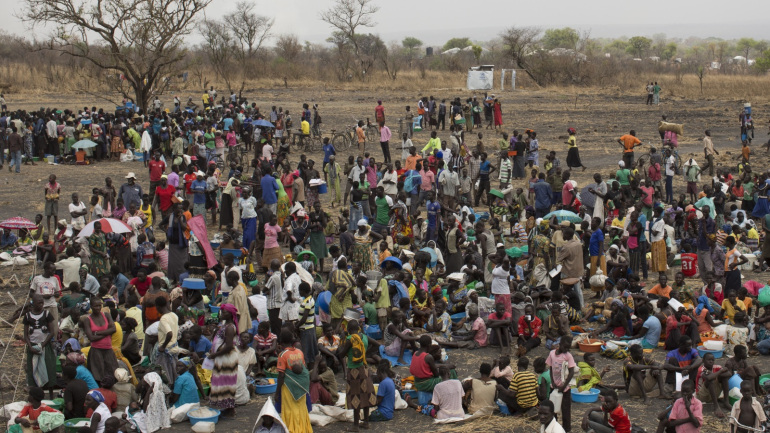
322	188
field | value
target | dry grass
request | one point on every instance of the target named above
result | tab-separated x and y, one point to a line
34	80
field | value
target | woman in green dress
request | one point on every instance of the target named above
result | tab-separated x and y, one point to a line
362	248
284	204
97	243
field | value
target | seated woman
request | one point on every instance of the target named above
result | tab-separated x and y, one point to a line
265	347
618	325
424	368
591	378
398	337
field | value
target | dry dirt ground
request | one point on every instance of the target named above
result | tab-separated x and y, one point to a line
599	120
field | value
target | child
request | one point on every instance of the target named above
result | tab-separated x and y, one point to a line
384	251
386	393
247	357
306	323
502	372
162	255
265	346
589	377
559	361
29	414
748	410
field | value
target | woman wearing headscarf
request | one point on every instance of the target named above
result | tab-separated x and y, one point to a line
248	206
95	401
223	362
362	248
284	203
154	403
704	315
99	328
229	196
618	325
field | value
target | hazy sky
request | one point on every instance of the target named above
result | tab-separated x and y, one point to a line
436	21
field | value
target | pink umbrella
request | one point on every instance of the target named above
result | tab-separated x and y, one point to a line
17	223
109	225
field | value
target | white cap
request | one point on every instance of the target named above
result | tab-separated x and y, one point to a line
621	164
130	175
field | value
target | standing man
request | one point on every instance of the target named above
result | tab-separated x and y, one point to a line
571	259
485	169
385	141
269	192
650	91
51	134
156	168
656	93
441	114
131	192
629	141
709	152
15	145
706	230
449	182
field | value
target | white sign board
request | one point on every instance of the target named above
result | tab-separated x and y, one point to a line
480	80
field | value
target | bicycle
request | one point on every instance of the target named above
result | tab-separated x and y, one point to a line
344	139
237	154
212	155
372	132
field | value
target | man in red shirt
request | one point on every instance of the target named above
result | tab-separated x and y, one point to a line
689	262
617	417
156	167
164	194
189	178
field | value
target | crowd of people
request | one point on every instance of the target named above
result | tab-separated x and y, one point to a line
215	280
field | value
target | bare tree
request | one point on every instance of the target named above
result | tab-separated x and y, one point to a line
347	17
140	39
250	30
518	42
222	49
233	43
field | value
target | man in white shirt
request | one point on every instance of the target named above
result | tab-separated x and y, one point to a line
291	300
69	267
548	423
449	181
389	181
259	302
77	214
670	173
267	152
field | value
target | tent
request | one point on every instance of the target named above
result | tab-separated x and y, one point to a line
480	80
